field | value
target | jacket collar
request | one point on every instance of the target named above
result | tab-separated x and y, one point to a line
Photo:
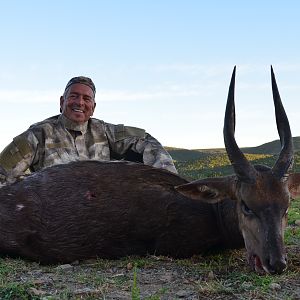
69	124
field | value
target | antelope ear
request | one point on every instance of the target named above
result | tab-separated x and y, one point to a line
210	190
294	184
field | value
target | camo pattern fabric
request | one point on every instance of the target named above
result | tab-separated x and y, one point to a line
58	140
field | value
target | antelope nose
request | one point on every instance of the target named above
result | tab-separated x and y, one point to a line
277	266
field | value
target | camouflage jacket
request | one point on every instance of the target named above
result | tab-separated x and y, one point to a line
58	140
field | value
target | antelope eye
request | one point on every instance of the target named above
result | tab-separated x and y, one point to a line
246	210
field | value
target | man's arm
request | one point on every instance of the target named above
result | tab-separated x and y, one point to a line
17	157
124	139
154	153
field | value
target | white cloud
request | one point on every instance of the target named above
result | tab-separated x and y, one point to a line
163	92
21	96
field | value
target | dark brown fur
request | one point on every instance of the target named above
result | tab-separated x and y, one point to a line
109	209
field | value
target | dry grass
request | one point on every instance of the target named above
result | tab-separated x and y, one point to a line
222	276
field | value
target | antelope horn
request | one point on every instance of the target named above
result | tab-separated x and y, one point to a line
242	168
286	156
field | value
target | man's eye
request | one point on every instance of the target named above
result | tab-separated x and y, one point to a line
246	210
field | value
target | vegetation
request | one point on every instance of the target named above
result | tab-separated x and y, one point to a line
217	165
214	164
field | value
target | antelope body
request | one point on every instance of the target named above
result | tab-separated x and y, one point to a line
109	209
112	209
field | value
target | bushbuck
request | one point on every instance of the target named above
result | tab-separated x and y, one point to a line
89	209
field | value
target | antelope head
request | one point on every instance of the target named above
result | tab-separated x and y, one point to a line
262	193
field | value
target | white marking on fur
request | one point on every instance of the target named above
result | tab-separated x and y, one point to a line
19	207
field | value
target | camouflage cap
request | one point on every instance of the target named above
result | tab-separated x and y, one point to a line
83	80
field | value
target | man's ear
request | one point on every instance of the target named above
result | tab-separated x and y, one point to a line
62	100
294	184
94	107
210	190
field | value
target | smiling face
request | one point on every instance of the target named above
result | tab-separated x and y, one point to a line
78	103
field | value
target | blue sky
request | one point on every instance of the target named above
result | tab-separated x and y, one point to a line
160	65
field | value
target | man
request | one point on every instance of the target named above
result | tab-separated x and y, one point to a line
74	135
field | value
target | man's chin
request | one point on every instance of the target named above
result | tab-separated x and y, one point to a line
77	118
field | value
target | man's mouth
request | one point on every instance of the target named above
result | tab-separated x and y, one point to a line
77	110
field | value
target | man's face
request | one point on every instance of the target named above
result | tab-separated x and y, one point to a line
78	104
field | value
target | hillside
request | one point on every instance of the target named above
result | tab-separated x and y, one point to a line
195	164
215	165
185	154
273	148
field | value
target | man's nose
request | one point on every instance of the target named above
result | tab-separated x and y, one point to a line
80	100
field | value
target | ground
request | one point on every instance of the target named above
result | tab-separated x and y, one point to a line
216	276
